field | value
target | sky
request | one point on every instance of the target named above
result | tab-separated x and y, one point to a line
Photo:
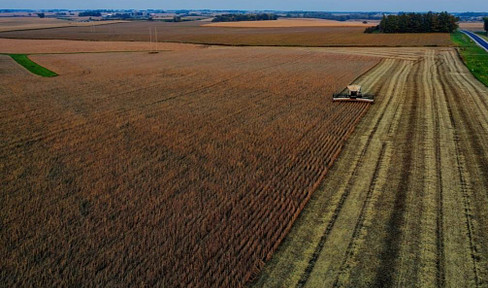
318	5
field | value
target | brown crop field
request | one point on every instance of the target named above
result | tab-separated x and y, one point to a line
35	23
176	169
197	32
292	22
406	204
473	26
28	46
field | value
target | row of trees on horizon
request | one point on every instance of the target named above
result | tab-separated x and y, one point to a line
416	23
244	17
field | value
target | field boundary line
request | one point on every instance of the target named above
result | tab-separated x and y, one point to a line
318	249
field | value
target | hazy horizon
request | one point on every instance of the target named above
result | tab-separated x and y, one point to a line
285	5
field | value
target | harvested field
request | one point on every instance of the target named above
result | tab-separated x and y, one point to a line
27	46
194	32
292	22
177	169
472	26
35	23
406	204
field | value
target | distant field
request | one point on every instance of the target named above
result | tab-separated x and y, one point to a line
473	26
28	46
194	32
182	168
300	22
26	23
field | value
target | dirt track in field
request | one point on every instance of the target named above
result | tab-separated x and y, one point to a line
406	204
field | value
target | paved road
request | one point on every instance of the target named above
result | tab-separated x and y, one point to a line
480	41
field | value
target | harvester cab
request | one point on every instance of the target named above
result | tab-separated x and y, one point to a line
353	93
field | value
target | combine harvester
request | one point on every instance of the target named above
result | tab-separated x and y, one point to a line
353	94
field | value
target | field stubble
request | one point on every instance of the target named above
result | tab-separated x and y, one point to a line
413	205
30	46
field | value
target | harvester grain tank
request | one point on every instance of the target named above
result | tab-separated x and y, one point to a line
353	93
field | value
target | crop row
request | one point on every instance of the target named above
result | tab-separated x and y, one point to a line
171	169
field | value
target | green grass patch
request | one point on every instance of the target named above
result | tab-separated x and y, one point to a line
475	57
32	66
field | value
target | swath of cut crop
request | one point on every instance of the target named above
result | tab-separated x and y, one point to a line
415	219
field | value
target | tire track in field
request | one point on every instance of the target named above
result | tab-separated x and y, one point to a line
435	111
421	257
448	90
471	81
362	217
453	245
379	131
374	79
392	245
390	126
474	125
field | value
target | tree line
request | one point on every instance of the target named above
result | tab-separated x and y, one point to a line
90	13
244	17
334	16
485	26
416	23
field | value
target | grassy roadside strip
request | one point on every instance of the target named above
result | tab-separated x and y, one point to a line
482	34
32	66
474	57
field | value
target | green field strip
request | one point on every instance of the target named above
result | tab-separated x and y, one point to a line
473	56
32	66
